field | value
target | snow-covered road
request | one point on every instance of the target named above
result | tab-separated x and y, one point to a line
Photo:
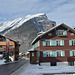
31	69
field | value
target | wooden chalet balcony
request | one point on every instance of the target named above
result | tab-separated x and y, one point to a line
2	43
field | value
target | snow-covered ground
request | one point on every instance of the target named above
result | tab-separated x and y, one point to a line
2	61
31	69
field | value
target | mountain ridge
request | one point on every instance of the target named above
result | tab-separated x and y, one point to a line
27	29
16	22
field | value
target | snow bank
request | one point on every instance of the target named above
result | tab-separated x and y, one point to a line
32	69
2	61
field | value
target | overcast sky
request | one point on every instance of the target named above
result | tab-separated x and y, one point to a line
61	11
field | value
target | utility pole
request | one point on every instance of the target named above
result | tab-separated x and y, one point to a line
7	50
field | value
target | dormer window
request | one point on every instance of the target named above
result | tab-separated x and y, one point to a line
61	32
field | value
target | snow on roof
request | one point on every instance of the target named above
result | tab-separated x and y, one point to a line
73	30
31	50
10	39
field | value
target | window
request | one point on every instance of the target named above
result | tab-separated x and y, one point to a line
3	39
58	53
10	46
33	54
61	32
72	53
37	44
47	42
10	53
58	42
47	53
73	42
53	42
53	64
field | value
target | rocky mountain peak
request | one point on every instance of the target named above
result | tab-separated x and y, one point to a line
25	29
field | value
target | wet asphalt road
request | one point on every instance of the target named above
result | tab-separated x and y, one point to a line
7	69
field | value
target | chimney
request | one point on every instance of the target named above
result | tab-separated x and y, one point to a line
53	24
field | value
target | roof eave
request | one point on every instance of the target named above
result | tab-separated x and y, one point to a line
51	30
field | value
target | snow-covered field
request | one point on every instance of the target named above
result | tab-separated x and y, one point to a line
31	69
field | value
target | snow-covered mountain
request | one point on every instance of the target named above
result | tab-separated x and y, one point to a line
25	29
38	20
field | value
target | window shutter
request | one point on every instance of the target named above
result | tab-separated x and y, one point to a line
38	43
62	42
44	43
63	53
56	32
55	53
38	53
53	42
65	32
70	42
71	53
51	53
44	54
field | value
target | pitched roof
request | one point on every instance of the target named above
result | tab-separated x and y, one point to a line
63	25
10	39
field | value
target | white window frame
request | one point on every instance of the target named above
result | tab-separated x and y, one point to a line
73	40
33	54
60	42
74	52
49	53
61	53
60	31
49	41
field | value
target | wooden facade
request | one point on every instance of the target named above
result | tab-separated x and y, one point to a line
53	47
13	47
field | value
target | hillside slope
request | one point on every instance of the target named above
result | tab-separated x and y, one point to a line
28	29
